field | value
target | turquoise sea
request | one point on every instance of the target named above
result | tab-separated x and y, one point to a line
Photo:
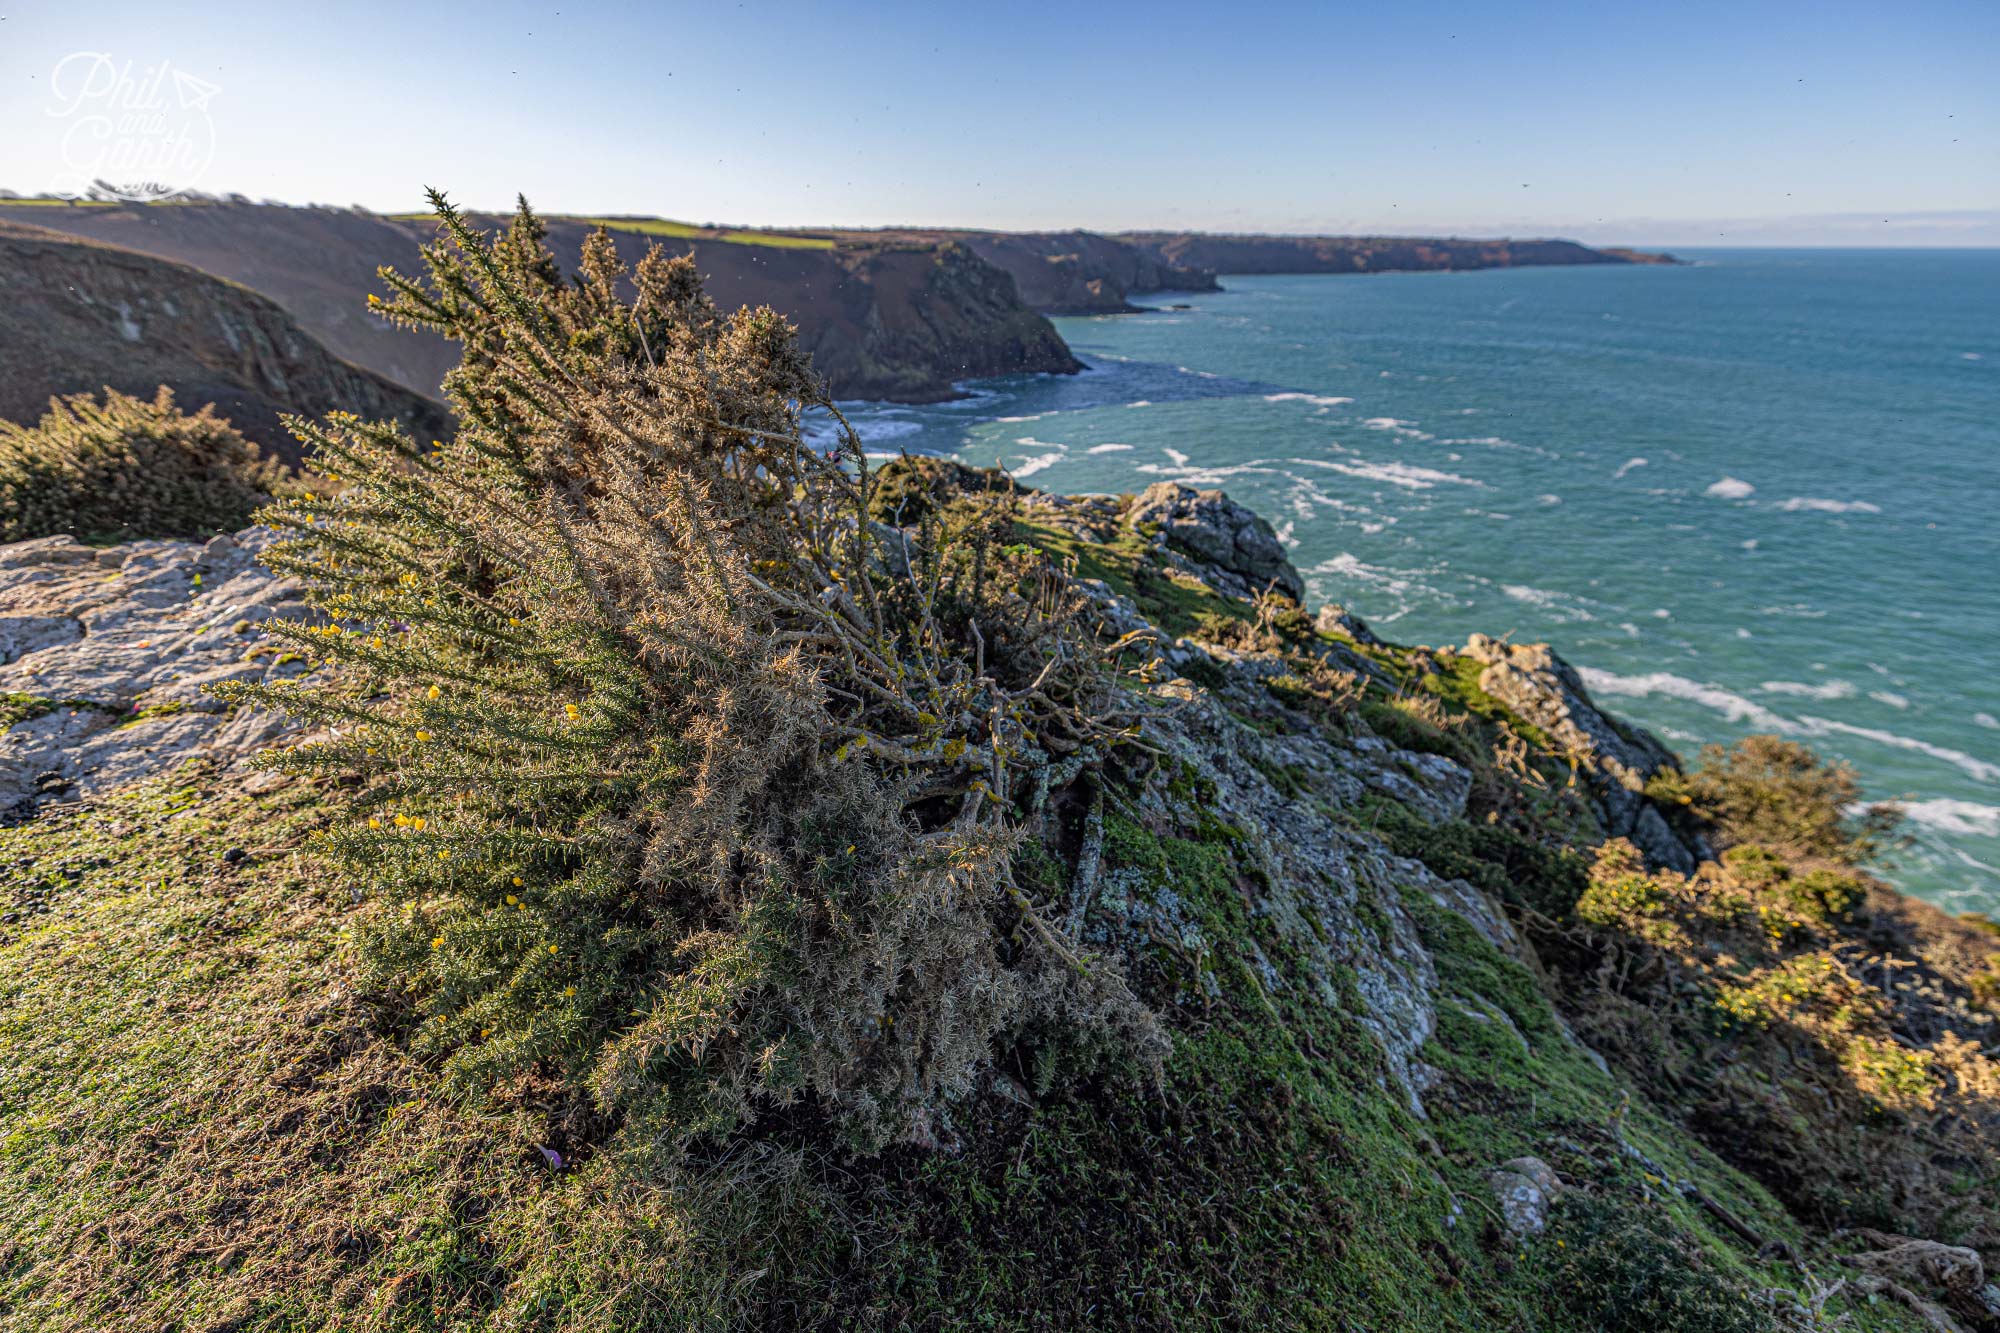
1757	493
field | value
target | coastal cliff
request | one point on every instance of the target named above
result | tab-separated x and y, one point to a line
620	868
76	317
1089	273
1077	272
902	320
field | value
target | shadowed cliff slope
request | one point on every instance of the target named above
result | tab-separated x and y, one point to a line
76	317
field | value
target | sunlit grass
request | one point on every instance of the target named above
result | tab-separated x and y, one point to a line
735	236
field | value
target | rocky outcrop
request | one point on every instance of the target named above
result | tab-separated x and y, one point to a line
104	653
1546	691
76	317
1366	254
1238	549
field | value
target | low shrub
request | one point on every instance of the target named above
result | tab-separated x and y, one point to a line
1779	794
128	468
1825	895
1509	866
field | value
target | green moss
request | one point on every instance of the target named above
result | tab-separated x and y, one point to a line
170	709
1509	866
1174	602
1456	679
17	707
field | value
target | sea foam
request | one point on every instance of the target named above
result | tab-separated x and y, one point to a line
1316	399
1741	710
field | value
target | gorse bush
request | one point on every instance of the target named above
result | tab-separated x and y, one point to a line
680	776
128	468
1778	793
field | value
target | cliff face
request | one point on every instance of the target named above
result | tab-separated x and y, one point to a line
1083	273
1061	272
77	317
889	320
883	319
317	263
1366	254
1088	273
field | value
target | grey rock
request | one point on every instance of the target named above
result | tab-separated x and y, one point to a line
1333	618
1525	1188
1618	758
1218	532
126	637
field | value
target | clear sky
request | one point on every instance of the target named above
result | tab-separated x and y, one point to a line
1665	123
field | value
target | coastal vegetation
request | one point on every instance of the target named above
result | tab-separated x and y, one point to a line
710	880
128	467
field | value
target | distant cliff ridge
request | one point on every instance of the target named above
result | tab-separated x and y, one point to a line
1067	272
1091	273
900	313
1367	254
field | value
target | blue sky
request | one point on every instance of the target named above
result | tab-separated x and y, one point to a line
1689	123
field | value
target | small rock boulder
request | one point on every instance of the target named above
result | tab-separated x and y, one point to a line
1525	1188
1334	618
1214	530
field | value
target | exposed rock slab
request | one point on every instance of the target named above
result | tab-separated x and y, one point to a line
107	650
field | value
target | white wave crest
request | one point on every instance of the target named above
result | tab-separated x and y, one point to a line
1802	504
1559	605
1316	399
1833	689
1730	488
1406	475
1732	706
1739	709
1945	815
1396	427
1029	466
1108	448
1627	466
